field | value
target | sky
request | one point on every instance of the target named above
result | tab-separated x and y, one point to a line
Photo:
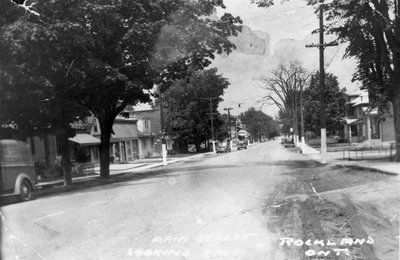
289	26
288	20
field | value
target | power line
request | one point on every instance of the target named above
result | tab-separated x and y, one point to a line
333	57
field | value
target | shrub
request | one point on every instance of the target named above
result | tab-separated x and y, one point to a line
54	170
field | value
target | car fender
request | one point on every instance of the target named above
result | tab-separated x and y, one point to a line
18	182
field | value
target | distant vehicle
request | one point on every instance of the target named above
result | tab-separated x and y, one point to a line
17	170
287	142
243	137
224	146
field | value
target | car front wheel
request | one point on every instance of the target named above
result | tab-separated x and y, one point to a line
25	193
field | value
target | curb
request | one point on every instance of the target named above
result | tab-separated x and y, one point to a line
74	187
365	168
95	180
333	162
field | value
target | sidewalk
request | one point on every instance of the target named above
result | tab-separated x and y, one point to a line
336	158
124	168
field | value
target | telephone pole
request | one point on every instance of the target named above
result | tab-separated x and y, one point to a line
163	143
229	124
295	120
212	119
302	141
321	47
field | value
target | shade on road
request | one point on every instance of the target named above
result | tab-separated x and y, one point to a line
208	209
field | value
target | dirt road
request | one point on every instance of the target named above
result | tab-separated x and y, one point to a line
266	202
336	213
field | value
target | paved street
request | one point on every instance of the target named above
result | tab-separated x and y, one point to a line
228	206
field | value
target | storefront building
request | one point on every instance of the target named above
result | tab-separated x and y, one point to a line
84	145
124	140
149	128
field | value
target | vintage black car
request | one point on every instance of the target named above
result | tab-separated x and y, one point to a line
287	142
17	170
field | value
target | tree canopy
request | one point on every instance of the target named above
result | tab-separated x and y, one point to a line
259	124
372	30
335	99
188	106
105	54
283	88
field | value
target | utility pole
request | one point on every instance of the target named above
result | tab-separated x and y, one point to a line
321	47
302	119
295	120
163	143
212	119
229	124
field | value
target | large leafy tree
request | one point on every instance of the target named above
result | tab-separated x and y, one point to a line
36	96
188	106
108	52
259	124
335	104
283	87
372	30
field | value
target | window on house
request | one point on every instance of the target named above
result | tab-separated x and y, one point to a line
58	147
354	131
146	124
134	146
83	154
96	152
128	148
95	128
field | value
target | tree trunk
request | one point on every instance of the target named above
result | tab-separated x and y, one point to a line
66	159
396	113
105	128
47	150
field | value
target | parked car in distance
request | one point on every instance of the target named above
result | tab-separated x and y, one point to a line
243	137
224	146
287	142
17	170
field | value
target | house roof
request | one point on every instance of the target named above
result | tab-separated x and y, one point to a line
352	121
362	99
142	107
85	139
124	119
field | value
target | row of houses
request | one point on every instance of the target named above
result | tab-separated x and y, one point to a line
364	124
136	135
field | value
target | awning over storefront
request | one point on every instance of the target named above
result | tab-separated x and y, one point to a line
85	139
123	133
352	121
146	134
120	139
